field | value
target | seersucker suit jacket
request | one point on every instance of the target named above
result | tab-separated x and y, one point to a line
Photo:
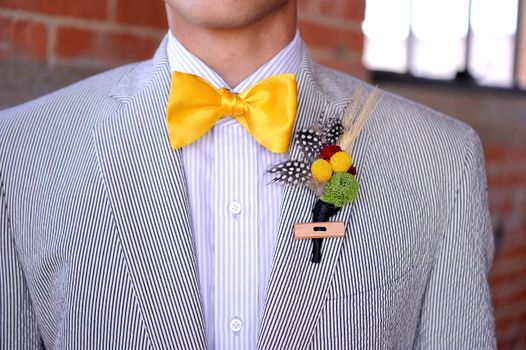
96	244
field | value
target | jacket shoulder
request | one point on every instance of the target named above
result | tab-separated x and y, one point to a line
50	129
79	103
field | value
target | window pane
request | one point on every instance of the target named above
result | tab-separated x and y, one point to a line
438	19
493	42
384	54
440	29
386	28
428	38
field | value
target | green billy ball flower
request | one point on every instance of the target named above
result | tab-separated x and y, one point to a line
341	189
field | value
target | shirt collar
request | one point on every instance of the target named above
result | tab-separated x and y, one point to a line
286	61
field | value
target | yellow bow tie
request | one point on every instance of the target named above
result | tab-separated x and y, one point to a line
266	110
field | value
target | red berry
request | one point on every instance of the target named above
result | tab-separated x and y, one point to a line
328	150
352	170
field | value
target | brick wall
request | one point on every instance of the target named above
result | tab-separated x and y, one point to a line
522	45
332	30
54	42
506	166
91	33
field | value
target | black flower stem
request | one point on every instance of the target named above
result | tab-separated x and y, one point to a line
321	212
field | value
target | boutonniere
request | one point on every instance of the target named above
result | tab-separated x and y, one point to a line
327	168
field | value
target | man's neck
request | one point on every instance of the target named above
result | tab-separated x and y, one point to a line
236	53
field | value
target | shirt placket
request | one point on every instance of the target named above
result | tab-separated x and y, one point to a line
236	273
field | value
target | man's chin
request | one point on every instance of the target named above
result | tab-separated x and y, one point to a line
226	17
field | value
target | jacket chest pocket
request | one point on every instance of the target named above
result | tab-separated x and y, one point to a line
385	317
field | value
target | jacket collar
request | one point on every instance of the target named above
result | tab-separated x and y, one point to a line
147	191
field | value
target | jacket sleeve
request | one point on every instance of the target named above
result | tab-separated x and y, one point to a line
18	326
457	312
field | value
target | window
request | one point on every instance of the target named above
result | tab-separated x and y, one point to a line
470	40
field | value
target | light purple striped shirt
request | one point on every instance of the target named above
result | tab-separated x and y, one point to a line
234	211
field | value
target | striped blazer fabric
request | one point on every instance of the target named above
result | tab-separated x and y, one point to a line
96	246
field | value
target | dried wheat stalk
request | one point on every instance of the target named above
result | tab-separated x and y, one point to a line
353	122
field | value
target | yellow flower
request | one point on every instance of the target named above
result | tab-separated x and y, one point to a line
321	170
341	162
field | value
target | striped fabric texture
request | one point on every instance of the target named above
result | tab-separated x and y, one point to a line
97	249
234	209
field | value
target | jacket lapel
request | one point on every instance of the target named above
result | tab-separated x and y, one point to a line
297	287
147	190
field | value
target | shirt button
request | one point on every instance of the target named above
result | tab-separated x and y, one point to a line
236	324
235	207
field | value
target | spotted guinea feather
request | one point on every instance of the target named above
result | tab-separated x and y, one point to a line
332	130
310	142
291	172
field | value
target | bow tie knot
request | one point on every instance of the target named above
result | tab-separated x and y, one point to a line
232	104
266	110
